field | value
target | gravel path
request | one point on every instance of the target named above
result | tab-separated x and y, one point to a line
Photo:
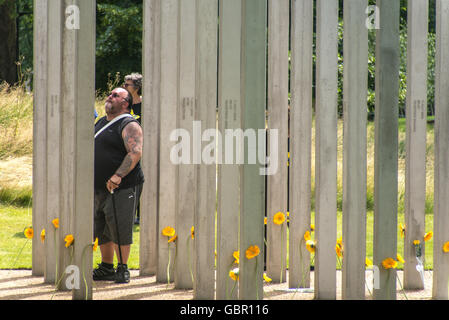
21	285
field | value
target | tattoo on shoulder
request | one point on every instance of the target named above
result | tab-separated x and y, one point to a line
132	137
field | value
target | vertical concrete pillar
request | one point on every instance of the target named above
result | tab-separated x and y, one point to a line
355	85
441	215
206	99
386	146
229	118
39	134
300	141
53	163
415	161
67	129
149	232
326	149
168	112
70	95
277	186
252	196
83	156
185	203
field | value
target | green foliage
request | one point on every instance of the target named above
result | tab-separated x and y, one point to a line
119	40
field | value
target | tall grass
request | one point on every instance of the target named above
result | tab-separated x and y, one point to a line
16	121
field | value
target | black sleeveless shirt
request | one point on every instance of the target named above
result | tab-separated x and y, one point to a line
109	154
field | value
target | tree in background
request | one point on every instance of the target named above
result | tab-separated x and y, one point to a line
119	40
8	54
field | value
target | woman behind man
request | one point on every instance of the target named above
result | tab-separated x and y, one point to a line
133	83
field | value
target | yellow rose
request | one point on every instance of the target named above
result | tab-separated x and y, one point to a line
168	232
43	235
279	218
68	240
252	252
55	223
29	233
389	263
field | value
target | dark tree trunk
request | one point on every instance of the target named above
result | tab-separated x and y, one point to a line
8	67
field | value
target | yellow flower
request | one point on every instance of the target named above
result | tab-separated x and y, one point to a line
288	214
192	232
402	229
168	232
43	235
340	242
428	236
368	262
95	245
173	239
266	278
399	258
310	245
234	274
279	218
338	250
252	252
236	256
312	227
68	240
307	235
416	242
29	233
389	263
265	220
446	247
55	223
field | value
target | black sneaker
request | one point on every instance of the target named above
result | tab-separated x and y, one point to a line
122	274
103	273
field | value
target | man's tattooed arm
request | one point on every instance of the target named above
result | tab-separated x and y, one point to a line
133	139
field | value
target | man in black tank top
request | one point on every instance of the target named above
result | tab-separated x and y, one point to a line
118	149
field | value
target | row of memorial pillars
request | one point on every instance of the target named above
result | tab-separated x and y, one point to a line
181	40
180	67
64	94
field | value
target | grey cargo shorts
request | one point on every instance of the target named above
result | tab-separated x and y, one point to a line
104	221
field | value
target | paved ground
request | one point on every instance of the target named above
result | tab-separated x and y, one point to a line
21	285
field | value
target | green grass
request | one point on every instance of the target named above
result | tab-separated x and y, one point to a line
14	220
428	262
16	196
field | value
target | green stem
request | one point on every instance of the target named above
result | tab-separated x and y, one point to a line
257	282
282	251
233	288
82	268
168	266
189	260
226	283
58	281
57	258
20	252
402	288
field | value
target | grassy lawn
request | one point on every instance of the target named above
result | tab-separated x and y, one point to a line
14	220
